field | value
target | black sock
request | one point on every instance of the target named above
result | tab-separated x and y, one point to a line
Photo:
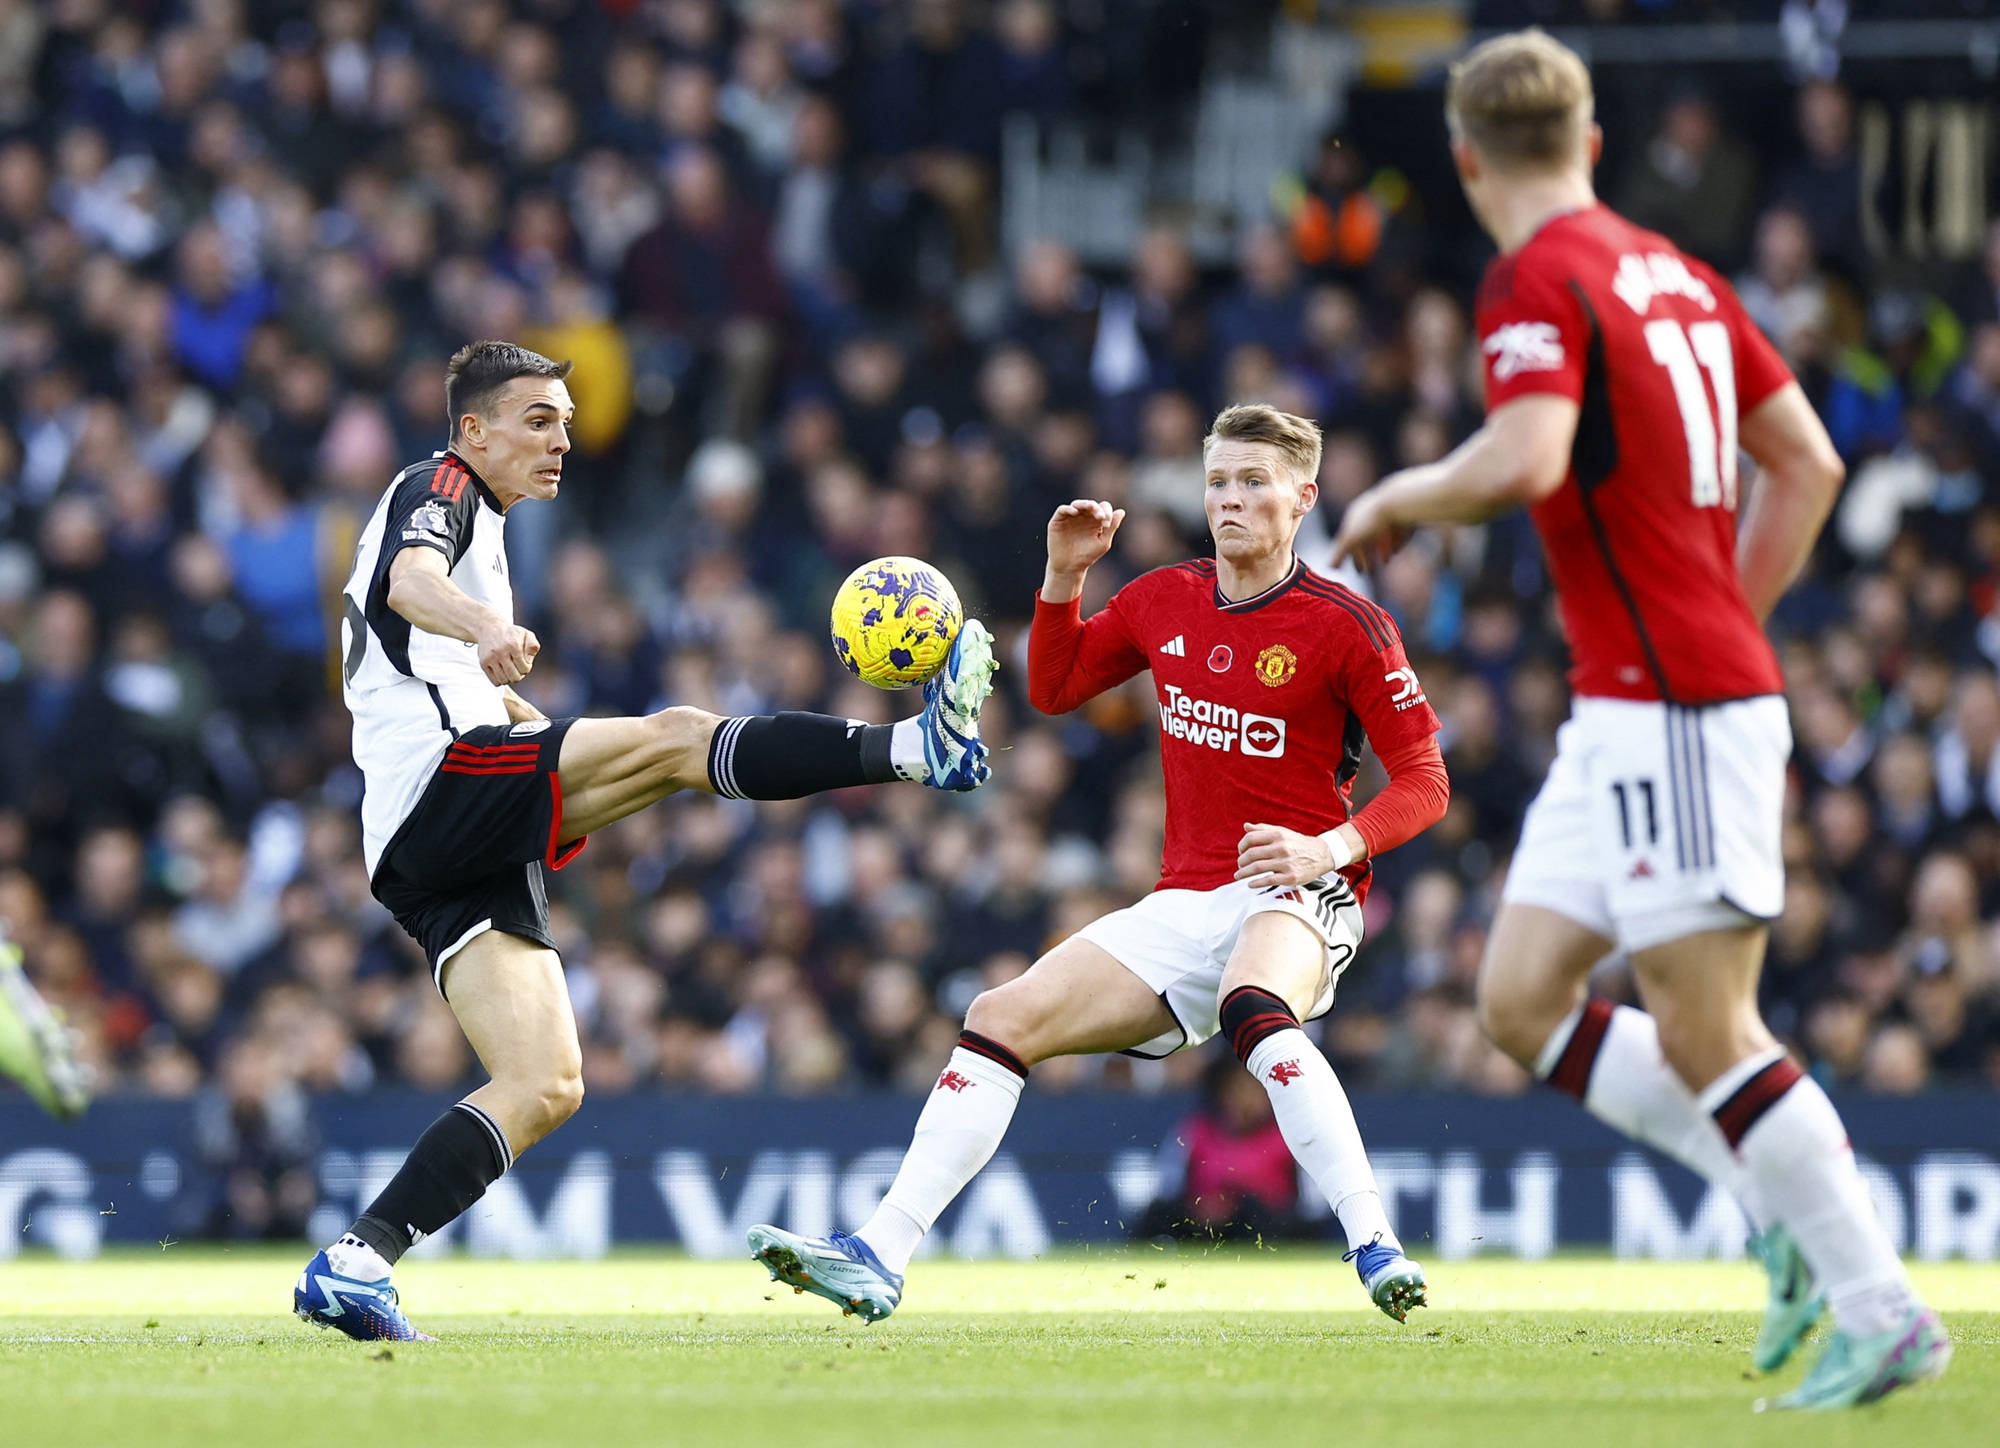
789	756
1249	1014
457	1158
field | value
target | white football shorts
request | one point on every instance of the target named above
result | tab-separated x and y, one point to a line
1178	942
1658	822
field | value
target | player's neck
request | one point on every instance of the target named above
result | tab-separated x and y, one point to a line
501	496
1515	213
1251	577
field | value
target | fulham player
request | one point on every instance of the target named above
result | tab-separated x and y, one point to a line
1269	678
471	796
1622	378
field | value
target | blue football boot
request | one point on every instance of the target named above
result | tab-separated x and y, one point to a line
365	1311
1394	1282
954	754
841	1268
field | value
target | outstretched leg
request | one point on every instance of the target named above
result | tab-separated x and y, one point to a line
1076	1000
611	768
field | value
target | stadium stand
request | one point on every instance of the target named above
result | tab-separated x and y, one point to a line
785	245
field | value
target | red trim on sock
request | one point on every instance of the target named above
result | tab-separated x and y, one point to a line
1268	1016
1572	1073
1755	1097
992	1050
559	854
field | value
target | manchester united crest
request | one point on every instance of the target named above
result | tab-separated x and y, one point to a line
1276	665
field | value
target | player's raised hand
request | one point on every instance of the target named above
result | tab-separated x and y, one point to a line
507	653
1368	534
1080	533
1270	855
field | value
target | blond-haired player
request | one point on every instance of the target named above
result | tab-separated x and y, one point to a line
1268	678
1623	378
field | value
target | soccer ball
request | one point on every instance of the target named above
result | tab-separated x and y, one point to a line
894	621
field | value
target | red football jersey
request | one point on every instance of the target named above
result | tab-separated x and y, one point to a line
1264	703
1641	537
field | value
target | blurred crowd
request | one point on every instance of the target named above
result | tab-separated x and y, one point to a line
239	239
1832	14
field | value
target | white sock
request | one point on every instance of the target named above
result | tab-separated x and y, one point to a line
1318	1126
957	1133
1792	1143
1627	1084
352	1257
1362	1219
906	750
893	1235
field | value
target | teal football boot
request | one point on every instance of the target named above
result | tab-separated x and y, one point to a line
1856	1370
1795	1303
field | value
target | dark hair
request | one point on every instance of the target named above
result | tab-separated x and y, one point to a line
479	370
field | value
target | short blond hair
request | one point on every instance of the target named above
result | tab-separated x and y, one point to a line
1522	100
1297	439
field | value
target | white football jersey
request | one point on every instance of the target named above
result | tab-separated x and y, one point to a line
412	693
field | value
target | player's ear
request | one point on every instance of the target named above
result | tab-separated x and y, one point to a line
1308	496
472	430
1593	144
1466	160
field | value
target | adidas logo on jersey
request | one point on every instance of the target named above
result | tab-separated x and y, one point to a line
1176	646
1218	726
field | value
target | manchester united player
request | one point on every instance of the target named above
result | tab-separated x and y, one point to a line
1622	378
1269	677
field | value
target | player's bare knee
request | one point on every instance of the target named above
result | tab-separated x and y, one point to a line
1511	1020
555	1098
562	1097
679	743
1010	1016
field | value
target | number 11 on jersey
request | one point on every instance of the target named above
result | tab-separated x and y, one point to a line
1711	433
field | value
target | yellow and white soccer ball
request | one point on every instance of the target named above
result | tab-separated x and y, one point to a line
894	621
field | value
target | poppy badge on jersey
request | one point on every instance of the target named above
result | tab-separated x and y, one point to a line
1220	658
1276	665
1263	736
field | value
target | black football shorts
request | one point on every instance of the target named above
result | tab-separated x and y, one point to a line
471	856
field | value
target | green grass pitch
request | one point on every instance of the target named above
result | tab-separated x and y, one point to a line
1135	1347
